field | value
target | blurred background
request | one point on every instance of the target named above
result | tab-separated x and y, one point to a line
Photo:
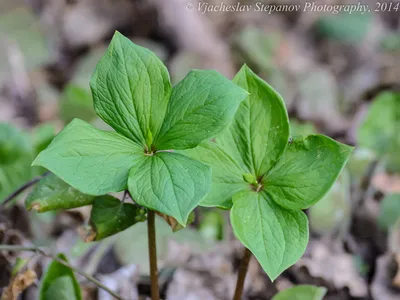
339	74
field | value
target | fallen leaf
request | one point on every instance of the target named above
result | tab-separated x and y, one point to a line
18	284
334	266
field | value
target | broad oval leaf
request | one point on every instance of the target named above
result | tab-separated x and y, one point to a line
59	283
302	292
306	171
110	216
170	183
94	162
227	177
51	193
277	237
202	105
260	130
131	89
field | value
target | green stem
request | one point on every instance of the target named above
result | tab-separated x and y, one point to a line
244	264
43	253
151	233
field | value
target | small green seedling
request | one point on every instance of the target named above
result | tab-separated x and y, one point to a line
301	292
132	93
266	180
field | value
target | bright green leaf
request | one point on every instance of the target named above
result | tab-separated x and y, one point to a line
131	89
302	292
170	183
110	216
260	130
227	177
306	171
277	237
202	105
389	211
59	283
51	193
93	161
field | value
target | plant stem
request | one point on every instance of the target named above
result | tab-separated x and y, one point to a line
151	233
43	253
21	189
244	264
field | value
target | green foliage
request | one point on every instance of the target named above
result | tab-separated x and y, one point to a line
51	193
59	283
302	292
76	103
110	216
344	27
212	225
380	129
132	93
389	211
16	154
188	178
277	237
266	214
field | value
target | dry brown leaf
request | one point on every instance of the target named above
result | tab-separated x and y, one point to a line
334	266
18	284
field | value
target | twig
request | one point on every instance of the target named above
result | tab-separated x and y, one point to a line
21	189
43	253
244	264
151	232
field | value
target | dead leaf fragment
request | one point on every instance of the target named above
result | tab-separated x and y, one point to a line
18	284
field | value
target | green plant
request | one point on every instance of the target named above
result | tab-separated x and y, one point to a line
132	93
301	292
379	130
267	180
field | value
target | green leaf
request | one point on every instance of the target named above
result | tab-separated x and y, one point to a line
110	216
51	193
345	27
260	130
227	177
380	128
389	211
59	283
42	136
14	144
302	292
15	159
332	213
202	105
170	183
277	237
76	103
306	171
131	89
94	162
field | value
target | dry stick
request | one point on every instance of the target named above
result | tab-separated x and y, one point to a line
43	253
22	188
151	233
244	264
